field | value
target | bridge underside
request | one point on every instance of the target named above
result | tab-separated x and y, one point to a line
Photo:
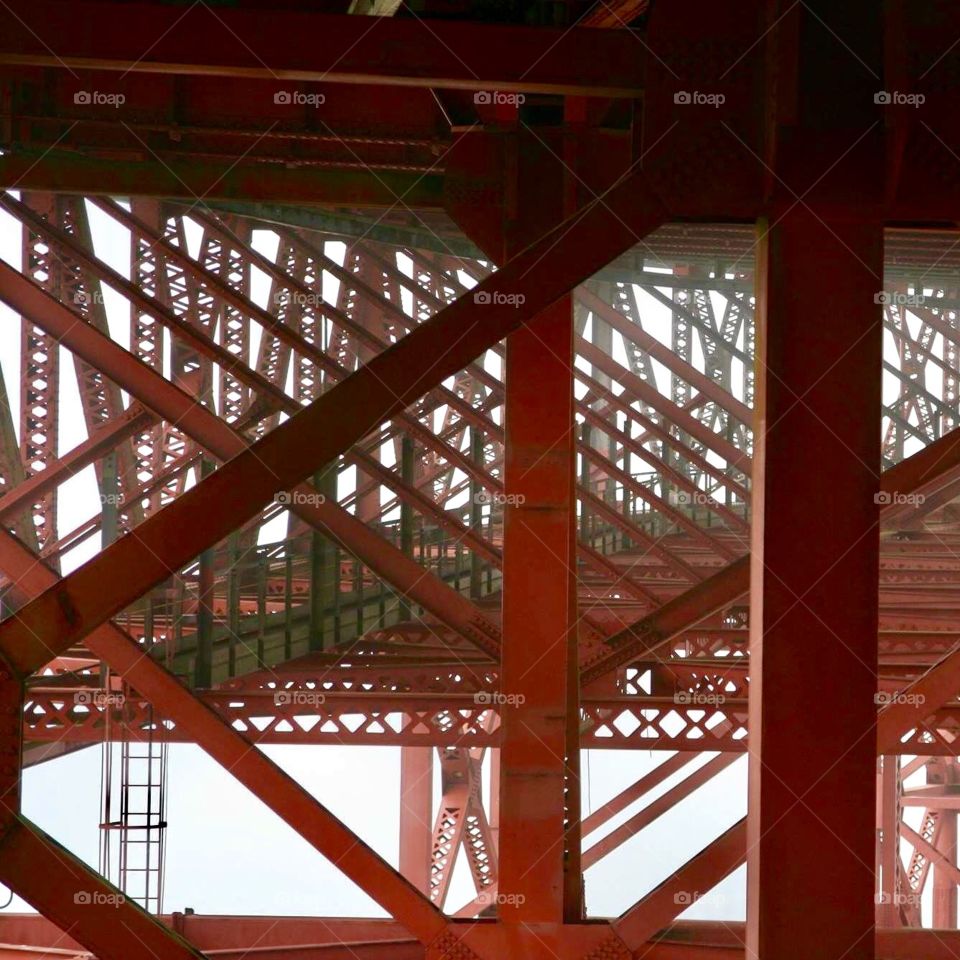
498	384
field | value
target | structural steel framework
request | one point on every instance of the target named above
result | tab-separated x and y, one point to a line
496	382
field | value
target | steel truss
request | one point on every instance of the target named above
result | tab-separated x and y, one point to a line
535	462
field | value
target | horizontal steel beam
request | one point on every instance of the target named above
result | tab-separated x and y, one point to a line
292	46
198	180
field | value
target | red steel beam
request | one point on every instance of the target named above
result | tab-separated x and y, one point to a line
707	597
704	384
313	938
621	404
284	48
696	532
614	13
297	341
919	700
700	874
284	331
230	179
268	937
97	445
636	790
930	852
669	358
815	558
641	390
80	901
657	808
416	815
539	775
733	582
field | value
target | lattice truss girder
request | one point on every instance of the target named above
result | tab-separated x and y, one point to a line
651	465
461	824
642	472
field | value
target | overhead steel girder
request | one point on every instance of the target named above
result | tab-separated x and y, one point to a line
196	421
313	47
446	343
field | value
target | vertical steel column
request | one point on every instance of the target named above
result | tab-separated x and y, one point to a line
203	664
945	885
407	474
324	572
416	815
110	497
476	512
40	378
815	555
888	805
539	753
814	587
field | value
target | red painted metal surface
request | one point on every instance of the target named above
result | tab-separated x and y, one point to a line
539	769
411	601
820	379
242	43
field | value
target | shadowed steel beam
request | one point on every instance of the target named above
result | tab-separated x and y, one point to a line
405	52
226	180
616	14
446	343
